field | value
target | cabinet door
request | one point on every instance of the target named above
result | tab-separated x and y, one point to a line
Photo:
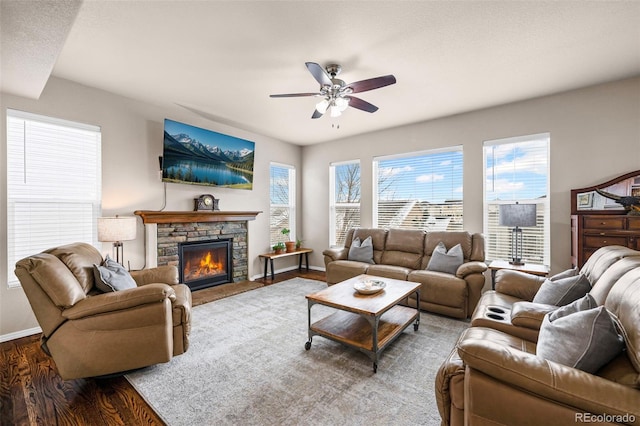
633	223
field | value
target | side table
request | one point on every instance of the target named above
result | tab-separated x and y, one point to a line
530	268
268	259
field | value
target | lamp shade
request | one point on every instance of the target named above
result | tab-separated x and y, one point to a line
517	215
118	228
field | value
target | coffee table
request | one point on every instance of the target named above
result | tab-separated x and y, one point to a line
366	322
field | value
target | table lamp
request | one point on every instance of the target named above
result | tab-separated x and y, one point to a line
517	215
117	229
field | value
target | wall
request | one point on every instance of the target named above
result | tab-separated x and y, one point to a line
132	138
595	136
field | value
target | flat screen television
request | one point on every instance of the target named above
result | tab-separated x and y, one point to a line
197	156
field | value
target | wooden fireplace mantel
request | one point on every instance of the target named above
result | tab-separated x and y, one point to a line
150	216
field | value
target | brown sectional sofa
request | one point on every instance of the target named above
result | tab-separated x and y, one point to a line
493	375
404	255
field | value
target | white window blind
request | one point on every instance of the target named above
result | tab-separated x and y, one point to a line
53	184
517	170
344	206
282	209
419	190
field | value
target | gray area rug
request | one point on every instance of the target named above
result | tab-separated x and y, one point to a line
247	365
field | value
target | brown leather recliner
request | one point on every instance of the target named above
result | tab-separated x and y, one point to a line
89	333
493	375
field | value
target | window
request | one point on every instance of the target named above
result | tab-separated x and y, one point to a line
283	205
517	170
53	184
344	208
419	190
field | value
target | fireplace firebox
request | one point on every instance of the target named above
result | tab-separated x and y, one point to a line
207	263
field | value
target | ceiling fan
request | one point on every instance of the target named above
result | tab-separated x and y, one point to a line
336	94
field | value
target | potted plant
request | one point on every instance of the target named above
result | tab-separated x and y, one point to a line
279	247
299	243
291	245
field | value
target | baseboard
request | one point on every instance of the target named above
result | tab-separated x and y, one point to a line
19	334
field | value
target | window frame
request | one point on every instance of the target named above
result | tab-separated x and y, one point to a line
290	206
543	203
443	222
334	204
40	203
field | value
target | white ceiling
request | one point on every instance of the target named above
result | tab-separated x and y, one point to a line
222	59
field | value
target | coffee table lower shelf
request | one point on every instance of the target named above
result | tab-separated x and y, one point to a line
359	331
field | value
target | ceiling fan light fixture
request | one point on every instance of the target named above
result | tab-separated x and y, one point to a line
341	103
322	106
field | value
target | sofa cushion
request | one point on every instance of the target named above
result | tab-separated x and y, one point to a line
341	270
404	247
446	261
378	238
563	291
112	276
361	251
586	340
389	271
441	288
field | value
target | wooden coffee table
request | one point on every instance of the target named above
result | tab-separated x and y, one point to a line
367	322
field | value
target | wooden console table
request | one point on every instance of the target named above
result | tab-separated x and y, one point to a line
268	259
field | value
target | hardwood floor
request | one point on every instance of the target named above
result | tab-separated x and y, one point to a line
32	393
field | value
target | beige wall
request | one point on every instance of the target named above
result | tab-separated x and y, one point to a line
132	138
595	136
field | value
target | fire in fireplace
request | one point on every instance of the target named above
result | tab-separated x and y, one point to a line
205	264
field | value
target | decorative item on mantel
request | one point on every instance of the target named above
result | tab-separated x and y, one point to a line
206	202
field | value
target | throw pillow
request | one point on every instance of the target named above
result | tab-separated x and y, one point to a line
565	274
112	276
586	340
446	261
563	291
361	251
587	302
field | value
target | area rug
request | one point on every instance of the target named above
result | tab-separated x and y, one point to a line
247	365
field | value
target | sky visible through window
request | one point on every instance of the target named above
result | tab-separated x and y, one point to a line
433	177
516	171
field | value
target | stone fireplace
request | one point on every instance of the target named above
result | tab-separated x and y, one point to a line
165	232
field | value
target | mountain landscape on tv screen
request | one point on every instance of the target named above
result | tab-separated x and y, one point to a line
189	160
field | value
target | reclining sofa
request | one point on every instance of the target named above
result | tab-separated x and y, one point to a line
91	333
493	375
405	254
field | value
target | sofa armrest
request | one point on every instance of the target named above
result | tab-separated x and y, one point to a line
120	300
549	380
469	268
529	314
518	284
334	254
167	274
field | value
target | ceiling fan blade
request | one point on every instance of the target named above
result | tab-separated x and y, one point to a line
294	95
316	114
372	83
360	104
319	74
